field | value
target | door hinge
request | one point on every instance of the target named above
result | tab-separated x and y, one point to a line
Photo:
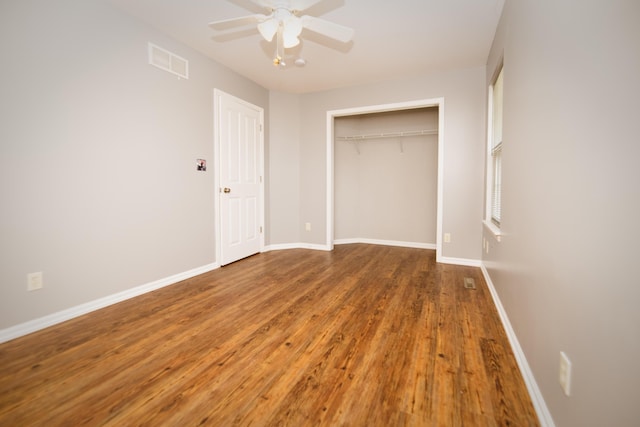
260	229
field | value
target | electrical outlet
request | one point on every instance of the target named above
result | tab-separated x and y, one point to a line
564	374
307	226
34	281
447	237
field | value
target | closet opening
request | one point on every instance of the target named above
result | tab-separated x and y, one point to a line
384	175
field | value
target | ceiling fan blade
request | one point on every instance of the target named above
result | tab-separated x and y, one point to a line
236	22
327	28
297	5
301	5
269	4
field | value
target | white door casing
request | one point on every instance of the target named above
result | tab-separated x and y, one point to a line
239	143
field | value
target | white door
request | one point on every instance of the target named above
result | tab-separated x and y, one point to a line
240	190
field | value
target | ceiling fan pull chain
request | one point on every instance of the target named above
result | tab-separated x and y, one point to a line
279	59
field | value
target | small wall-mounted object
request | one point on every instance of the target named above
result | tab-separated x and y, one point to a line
168	61
201	165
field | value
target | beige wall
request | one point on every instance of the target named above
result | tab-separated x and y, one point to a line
284	171
565	269
98	180
386	188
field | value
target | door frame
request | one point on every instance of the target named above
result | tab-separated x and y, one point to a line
423	103
217	94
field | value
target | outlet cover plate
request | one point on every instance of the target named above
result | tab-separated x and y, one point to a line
564	374
34	281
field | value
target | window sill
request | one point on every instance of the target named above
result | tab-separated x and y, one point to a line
497	233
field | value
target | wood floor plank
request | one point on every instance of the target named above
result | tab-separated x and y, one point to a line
364	335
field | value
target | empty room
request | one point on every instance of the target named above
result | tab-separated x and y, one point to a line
319	212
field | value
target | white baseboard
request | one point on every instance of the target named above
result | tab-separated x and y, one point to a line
539	404
460	261
386	243
283	246
79	310
417	245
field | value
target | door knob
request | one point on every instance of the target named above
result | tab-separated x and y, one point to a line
227	190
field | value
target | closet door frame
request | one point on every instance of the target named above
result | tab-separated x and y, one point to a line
424	103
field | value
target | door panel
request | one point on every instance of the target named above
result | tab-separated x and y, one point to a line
240	196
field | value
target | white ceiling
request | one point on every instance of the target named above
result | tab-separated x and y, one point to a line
393	39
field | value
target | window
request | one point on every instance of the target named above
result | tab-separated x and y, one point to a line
494	158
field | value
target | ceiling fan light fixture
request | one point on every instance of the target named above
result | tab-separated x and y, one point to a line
291	29
293	25
268	28
289	41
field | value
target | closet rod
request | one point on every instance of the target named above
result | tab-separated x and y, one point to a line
388	135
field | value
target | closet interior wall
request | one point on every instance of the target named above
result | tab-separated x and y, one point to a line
386	184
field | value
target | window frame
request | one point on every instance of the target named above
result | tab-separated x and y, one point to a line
493	214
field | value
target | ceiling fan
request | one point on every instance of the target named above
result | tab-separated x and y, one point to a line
285	23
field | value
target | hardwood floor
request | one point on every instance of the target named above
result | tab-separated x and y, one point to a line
361	336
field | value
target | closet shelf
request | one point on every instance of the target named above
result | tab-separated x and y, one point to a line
399	135
387	135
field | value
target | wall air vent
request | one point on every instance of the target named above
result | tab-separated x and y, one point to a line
168	61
